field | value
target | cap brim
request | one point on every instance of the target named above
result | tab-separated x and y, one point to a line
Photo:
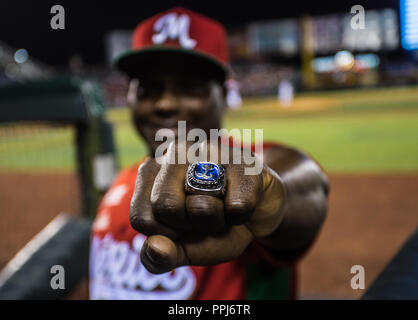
137	62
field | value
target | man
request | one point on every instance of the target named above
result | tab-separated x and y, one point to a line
217	232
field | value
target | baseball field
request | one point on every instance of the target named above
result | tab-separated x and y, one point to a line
366	140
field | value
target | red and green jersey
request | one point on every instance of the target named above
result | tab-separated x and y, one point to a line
116	271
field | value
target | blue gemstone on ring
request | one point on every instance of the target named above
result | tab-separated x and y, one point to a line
206	171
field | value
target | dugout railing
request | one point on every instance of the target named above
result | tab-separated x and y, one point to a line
78	103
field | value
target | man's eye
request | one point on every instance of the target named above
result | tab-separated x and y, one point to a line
150	90
140	92
195	90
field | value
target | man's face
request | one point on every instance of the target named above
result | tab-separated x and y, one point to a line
165	96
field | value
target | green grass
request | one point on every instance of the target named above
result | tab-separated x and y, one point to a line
34	148
368	142
373	130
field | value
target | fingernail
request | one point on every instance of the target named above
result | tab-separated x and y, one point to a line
154	256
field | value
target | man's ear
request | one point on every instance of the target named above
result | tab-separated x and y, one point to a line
224	94
133	91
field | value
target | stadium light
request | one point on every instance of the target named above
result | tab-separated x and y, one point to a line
344	60
409	24
21	56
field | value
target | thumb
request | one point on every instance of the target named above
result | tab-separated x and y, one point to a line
160	254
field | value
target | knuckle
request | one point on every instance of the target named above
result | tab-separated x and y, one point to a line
203	206
205	214
205	218
166	204
240	209
141	223
199	209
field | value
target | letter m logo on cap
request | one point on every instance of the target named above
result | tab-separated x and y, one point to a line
174	27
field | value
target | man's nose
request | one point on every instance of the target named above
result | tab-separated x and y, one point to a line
167	104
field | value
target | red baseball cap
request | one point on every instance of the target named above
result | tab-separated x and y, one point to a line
177	34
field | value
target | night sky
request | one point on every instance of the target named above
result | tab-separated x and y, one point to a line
26	24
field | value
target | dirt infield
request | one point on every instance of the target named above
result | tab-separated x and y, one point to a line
29	201
370	216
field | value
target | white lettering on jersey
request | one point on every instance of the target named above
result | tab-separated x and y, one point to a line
116	272
173	26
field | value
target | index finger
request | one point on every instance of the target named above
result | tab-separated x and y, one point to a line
140	212
168	195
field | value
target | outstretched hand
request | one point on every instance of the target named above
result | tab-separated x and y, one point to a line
195	229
